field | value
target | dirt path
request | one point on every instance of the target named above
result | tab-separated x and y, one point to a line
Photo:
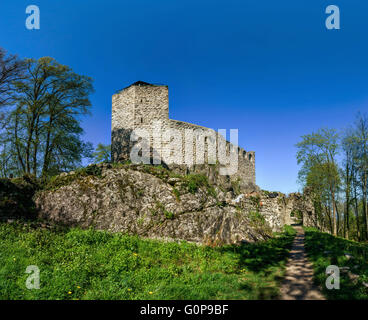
298	283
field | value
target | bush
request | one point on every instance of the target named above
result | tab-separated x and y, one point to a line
197	181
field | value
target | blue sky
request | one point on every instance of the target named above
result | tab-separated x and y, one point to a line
269	68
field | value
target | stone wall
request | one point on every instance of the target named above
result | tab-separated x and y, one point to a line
302	207
145	106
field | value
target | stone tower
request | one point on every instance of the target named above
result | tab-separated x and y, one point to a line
136	106
139	104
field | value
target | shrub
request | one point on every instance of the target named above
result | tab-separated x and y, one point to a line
169	214
196	181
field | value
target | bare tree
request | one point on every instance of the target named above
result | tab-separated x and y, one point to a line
11	69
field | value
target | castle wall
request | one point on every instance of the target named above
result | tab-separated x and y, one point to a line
146	106
246	160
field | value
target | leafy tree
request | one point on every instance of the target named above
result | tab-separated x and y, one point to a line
338	191
102	153
43	130
317	153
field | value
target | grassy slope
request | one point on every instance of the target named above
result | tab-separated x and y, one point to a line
324	249
87	264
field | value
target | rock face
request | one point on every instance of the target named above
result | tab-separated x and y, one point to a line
158	203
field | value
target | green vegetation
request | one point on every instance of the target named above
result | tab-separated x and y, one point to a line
334	174
255	216
176	193
88	264
169	214
102	153
324	249
236	186
196	181
41	132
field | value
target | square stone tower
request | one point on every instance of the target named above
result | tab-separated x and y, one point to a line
134	107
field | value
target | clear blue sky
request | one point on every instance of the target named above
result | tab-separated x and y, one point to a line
269	68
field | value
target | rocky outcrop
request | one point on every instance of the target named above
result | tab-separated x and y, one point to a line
151	202
158	203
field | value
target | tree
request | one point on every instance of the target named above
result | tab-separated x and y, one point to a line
347	177
43	128
317	153
361	132
11	69
102	153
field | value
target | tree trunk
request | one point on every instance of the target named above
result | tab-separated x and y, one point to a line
364	199
347	200
46	160
334	220
36	144
19	153
356	209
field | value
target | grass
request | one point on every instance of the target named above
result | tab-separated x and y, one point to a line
324	249
88	264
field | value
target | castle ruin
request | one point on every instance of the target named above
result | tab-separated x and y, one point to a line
145	106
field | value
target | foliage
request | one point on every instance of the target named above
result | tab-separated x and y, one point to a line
257	217
197	181
102	153
169	214
176	192
236	186
43	133
317	153
11	70
88	264
334	173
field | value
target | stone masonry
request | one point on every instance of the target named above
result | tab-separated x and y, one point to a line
146	106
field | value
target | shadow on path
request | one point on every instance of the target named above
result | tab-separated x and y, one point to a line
298	283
